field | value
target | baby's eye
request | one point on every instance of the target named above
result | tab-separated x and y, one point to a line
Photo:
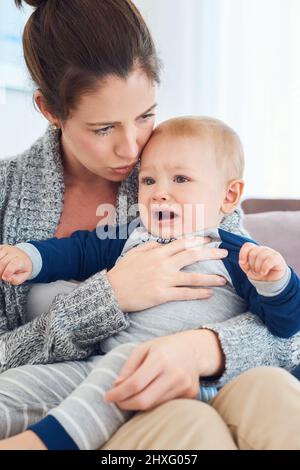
181	179
147	180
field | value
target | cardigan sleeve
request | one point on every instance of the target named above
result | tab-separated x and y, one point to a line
71	330
3	171
74	324
247	343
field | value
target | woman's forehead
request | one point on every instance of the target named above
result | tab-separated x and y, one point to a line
116	99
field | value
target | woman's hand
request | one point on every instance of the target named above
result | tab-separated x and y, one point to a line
166	368
150	274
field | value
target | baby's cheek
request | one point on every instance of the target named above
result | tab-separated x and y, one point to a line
144	214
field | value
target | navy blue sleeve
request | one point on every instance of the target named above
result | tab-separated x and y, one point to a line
280	313
53	435
81	255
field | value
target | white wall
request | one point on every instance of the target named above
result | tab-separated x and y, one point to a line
172	25
237	60
20	123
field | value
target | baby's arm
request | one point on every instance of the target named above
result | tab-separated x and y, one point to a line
274	292
77	257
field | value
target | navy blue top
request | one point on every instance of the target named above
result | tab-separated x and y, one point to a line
84	254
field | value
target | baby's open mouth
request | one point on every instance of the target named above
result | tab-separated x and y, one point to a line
164	215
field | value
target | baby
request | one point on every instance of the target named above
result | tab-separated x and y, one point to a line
190	178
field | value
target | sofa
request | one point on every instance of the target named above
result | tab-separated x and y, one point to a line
276	223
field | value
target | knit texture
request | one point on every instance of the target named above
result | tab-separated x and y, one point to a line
31	203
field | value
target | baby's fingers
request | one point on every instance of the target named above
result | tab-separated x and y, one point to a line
18	279
244	255
267	266
13	267
262	255
273	261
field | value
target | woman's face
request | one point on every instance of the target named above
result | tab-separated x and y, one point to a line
106	133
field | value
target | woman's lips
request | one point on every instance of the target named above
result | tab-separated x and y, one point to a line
124	169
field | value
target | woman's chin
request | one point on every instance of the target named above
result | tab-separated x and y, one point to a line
116	178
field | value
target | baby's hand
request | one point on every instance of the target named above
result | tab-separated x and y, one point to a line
261	263
15	265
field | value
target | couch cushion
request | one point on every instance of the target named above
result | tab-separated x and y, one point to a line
279	230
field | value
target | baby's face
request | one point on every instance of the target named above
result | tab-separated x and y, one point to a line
181	189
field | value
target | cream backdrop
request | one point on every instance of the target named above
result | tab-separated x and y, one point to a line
237	60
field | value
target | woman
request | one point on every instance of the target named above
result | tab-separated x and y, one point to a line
96	85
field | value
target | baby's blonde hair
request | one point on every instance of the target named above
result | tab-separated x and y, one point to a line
228	148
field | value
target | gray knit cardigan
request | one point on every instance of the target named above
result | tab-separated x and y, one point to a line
31	203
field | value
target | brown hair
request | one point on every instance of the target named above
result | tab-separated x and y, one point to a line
227	145
71	45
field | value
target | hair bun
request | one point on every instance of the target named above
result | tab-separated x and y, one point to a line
32	3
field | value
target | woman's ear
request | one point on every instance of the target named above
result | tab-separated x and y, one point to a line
40	102
233	196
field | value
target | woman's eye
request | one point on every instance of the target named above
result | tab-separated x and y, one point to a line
181	179
104	131
148	181
146	117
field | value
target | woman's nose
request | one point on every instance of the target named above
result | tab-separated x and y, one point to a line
128	148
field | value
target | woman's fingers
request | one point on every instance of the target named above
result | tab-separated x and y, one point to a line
181	245
3	254
176	246
193	255
136	383
199	280
146	246
164	388
159	391
134	361
187	293
149	275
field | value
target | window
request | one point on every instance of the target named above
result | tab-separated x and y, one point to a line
13	73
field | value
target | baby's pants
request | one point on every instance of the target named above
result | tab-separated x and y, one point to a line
73	391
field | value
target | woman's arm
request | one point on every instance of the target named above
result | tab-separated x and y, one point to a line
77	322
246	343
3	192
70	330
170	367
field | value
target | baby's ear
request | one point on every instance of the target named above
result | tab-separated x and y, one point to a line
233	196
